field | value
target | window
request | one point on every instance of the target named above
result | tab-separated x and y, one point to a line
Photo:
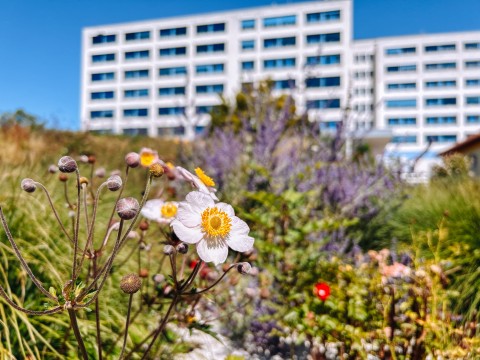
323	16
142	35
472	64
401	86
284	84
404	103
135	132
101	39
135	93
280	21
179	31
136	74
440	101
404	139
448	47
171	131
329	125
473	119
209	89
205	109
103	76
102	95
279	42
210	28
248	65
98	114
210	48
437	84
473	100
323	38
248	24
401	51
279	63
472	82
135	112
103	58
171	111
402	68
176	51
323	60
441	120
210	68
248	44
472	46
441	138
143	54
402	121
168	91
322	82
173	71
440	66
323	104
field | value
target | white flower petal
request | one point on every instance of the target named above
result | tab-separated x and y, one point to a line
239	227
187	216
240	243
186	234
215	251
199	201
151	209
227	208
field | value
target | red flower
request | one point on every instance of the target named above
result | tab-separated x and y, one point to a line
322	291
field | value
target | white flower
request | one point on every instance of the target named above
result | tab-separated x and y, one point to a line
212	227
202	182
160	211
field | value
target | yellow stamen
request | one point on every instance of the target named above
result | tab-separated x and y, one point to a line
170	165
168	210
207	180
215	222
147	157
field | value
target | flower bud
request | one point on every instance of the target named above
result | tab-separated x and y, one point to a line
66	164
168	250
28	185
244	268
100	173
182	248
52	169
114	183
130	283
158	278
127	208
143	225
156	169
83	180
83	159
92	159
143	273
132	159
62	177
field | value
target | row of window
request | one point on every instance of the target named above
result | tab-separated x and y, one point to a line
161	131
433	84
412	139
431	48
432	120
144	112
163	91
433	66
409	103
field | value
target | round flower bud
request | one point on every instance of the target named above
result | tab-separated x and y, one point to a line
92	159
83	180
52	169
114	183
62	177
156	169
158	278
143	225
130	283
132	159
182	248
83	159
127	208
28	185
143	273
168	250
66	164
244	268
100	172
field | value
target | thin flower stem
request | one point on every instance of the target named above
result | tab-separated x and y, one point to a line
54	211
65	190
21	259
76	231
76	331
215	283
85	208
192	276
4	295
97	315
126	325
173	264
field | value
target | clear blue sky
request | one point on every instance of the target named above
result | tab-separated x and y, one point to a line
40	40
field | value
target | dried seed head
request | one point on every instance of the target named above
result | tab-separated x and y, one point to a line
156	169
91	159
127	208
143	273
182	248
168	250
244	268
62	177
132	159
130	283
83	180
28	185
66	164
114	183
100	172
143	225
52	169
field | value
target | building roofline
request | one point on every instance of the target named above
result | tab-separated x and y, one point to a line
419	36
461	145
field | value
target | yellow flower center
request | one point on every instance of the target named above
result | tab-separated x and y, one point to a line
147	158
207	180
168	210
215	222
170	165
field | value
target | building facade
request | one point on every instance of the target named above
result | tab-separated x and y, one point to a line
162	77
